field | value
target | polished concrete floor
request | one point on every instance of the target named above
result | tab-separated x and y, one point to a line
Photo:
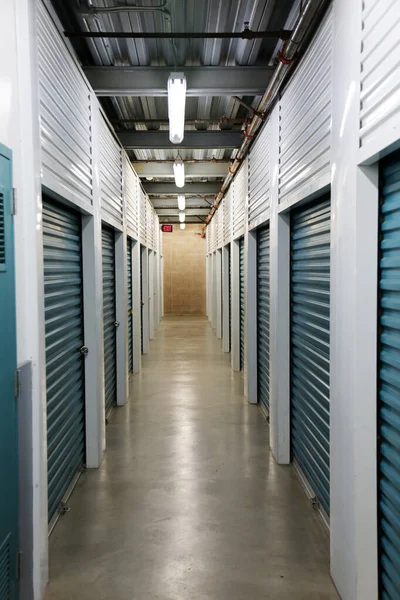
188	503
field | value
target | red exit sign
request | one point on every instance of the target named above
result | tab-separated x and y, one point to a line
167	228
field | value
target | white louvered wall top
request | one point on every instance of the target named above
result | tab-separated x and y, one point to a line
259	177
65	117
131	199
239	195
110	177
227	207
220	225
305	121
380	73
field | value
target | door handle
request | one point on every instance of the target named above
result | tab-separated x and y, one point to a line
116	323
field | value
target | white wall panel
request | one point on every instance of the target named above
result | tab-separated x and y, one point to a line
305	121
259	178
239	196
228	215
219	216
149	224
110	177
142	215
65	117
131	192
380	74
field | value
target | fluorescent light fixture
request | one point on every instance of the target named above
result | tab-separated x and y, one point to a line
181	202
176	106
182	225
182	217
179	172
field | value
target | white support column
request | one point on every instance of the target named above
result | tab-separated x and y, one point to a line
218	256
250	388
151	295
235	306
207	290
156	291
93	326
145	297
121	317
214	290
354	285
225	299
162	286
280	314
136	300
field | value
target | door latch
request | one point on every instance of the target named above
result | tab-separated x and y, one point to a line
116	323
84	350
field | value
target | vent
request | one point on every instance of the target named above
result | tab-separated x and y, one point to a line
2	231
5	571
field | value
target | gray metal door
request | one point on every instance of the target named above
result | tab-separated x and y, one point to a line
109	318
242	315
310	308
130	304
263	315
63	301
389	380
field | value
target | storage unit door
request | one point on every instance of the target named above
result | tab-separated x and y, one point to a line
263	316
310	292
389	379
130	305
109	318
64	338
141	299
230	299
242	317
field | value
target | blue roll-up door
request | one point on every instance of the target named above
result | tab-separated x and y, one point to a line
63	301
310	294
389	379
263	316
242	315
130	304
109	318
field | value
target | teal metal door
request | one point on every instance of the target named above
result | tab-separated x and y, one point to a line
310	312
63	302
389	380
109	319
130	305
263	316
242	314
8	401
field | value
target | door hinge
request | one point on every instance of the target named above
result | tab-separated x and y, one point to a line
17	383
19	565
14	202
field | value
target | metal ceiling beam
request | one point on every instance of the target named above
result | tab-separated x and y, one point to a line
159	140
189	212
205	169
159	189
201	81
173	203
246	34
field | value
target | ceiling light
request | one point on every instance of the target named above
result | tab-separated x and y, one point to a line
176	106
182	225
179	172
181	202
182	217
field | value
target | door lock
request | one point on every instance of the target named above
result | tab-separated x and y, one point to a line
116	323
84	350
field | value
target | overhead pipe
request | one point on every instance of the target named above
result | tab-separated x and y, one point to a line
246	34
98	10
186	161
220	121
311	14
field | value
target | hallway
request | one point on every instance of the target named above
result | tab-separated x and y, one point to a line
188	503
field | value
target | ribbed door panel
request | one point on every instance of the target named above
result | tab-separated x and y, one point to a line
228	216
131	199
263	239
389	380
62	257
130	306
259	178
109	316
242	311
310	318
